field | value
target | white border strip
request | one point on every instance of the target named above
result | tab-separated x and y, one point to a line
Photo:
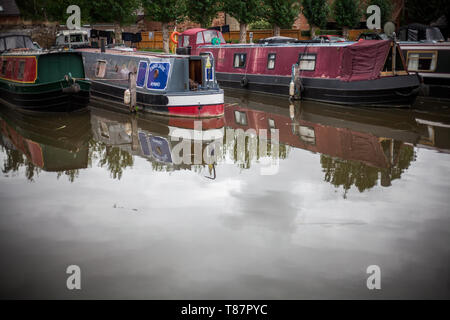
195	99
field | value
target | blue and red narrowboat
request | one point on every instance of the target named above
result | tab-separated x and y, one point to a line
39	80
164	84
367	73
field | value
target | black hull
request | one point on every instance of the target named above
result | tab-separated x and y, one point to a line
400	91
435	87
53	101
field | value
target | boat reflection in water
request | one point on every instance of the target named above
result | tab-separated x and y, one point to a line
50	142
120	136
361	148
358	147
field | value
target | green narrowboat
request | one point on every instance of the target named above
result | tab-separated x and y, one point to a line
40	80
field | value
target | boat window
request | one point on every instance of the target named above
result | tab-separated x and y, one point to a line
14	42
185	41
208	35
271	61
240	118
271	123
21	71
307	134
76	38
100	69
4	66
200	38
2	45
422	61
307	62
28	43
239	60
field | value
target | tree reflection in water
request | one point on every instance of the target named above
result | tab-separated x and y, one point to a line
113	158
346	173
14	160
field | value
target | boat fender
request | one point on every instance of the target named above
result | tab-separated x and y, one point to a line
172	36
244	82
127	97
291	88
74	88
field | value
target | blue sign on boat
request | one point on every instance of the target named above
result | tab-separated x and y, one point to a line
158	74
142	72
160	149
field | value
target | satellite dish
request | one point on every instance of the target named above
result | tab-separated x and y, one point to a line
389	28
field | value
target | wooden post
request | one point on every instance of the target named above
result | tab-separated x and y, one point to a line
132	88
134	133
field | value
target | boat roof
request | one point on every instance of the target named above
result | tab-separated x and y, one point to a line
69	32
193	31
145	54
286	45
14	34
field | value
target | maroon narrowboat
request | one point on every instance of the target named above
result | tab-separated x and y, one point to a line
367	73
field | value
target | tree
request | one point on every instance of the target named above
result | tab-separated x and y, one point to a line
426	11
121	11
316	11
245	12
347	14
282	13
203	11
385	7
164	11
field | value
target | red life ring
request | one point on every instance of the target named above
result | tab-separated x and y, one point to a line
173	35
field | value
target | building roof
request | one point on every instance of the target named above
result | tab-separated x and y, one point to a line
9	8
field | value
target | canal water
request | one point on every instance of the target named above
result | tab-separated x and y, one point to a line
300	200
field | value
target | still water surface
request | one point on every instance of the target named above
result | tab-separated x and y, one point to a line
346	189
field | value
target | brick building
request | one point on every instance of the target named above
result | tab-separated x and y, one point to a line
9	13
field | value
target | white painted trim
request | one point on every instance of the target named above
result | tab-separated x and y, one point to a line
195	99
432	123
416	47
434	75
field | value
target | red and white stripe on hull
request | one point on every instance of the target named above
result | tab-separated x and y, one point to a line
199	105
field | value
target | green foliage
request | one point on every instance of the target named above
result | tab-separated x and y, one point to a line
316	11
347	13
426	11
122	11
282	13
261	24
386	9
203	11
164	10
244	11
